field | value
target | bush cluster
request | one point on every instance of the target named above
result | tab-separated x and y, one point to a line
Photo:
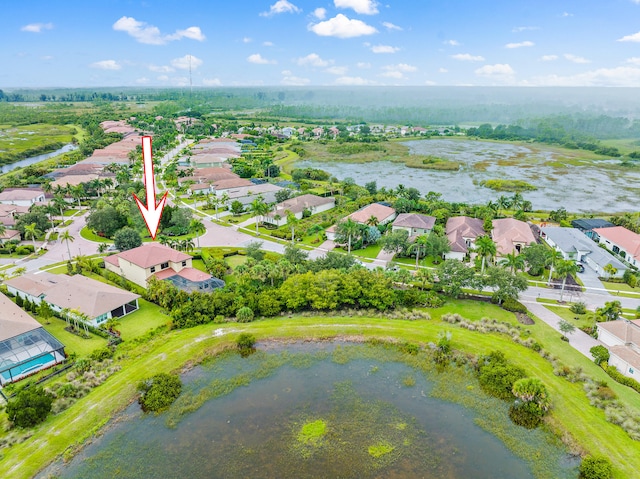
595	467
159	392
30	407
496	376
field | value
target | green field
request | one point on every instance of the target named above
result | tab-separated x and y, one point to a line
21	142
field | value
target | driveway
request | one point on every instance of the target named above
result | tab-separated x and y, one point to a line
590	280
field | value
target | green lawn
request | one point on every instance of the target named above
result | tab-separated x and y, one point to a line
565	313
149	316
198	264
169	352
87	234
73	343
370	251
235	260
70	212
622	289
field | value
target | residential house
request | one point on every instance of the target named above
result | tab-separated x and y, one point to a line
511	235
462	232
199	189
622	338
9	235
314	204
621	241
587	225
288	131
97	301
139	264
382	214
574	245
246	193
207	160
415	224
9	214
22	196
25	347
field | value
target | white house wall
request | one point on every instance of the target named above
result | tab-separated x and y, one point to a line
624	367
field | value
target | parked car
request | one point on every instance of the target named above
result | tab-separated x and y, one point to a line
580	268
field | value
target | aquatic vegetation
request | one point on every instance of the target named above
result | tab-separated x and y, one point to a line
312	432
508	185
380	449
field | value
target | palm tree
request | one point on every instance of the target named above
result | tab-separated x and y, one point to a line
419	244
60	203
563	269
3	229
292	220
373	221
503	203
258	208
552	258
424	276
486	248
32	231
51	210
513	261
66	237
348	228
77	192
197	227
516	201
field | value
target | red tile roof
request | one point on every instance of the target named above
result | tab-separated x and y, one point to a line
151	254
626	239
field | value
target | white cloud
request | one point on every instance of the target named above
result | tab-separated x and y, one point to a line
163	78
161	68
548	58
393	74
320	13
453	43
364	7
180	81
37	27
523	29
602	77
391	26
312	59
633	60
499	71
401	67
46	57
211	82
151	35
106	65
258	59
363	65
575	58
286	72
353	81
443	70
342	27
295	81
430	83
384	49
267	44
466	57
142	80
281	6
247	40
337	70
630	38
186	62
526	43
566	14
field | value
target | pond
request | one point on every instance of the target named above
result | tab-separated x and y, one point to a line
579	186
36	159
314	410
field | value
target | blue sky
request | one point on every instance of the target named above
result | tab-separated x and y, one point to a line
324	42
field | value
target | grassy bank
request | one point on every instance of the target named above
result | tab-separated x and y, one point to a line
168	352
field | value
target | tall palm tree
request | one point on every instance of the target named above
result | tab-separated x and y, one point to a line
513	261
60	203
418	245
486	248
373	221
516	201
292	221
503	203
348	228
66	237
552	258
565	268
77	192
258	208
32	231
197	227
3	229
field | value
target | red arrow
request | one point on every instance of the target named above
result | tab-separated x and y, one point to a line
152	212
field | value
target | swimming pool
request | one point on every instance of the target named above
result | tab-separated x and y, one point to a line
26	367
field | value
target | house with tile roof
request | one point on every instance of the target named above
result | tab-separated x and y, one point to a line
621	241
462	232
587	225
22	196
9	214
139	264
383	215
511	235
622	338
25	346
574	245
98	301
415	224
297	205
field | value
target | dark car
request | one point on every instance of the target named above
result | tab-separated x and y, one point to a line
580	268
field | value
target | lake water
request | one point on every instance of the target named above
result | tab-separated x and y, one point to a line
36	159
577	188
254	428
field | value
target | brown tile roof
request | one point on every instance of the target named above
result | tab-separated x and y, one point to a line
460	227
225	184
627	354
626	239
152	254
414	220
191	274
14	320
623	329
299	203
17	194
507	231
73	180
381	212
10	234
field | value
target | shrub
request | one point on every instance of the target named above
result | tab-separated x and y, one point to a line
579	308
101	354
496	376
600	354
595	467
159	392
244	315
30	407
514	306
245	343
617	376
520	415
